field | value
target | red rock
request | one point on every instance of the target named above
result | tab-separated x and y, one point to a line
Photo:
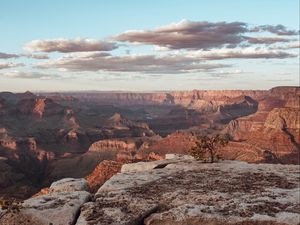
103	171
112	145
39	107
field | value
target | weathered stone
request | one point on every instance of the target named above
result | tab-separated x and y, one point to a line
190	192
116	208
102	172
69	185
178	156
159	164
122	181
193	215
59	208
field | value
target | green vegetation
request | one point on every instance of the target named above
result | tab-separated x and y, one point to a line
207	148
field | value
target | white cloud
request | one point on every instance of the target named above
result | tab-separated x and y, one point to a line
69	45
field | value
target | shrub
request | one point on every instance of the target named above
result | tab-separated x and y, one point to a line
207	148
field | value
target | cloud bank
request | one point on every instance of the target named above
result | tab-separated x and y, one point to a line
278	29
189	35
69	45
6	65
31	75
7	55
242	53
187	47
138	63
204	35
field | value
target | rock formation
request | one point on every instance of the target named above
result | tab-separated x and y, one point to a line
39	107
112	145
272	134
183	191
103	172
178	142
185	98
50	136
61	206
178	190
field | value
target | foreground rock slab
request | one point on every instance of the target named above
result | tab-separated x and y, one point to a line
56	208
59	207
189	192
69	185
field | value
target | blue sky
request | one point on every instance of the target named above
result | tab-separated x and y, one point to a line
21	22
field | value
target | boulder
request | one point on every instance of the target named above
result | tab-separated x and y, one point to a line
60	205
58	208
69	185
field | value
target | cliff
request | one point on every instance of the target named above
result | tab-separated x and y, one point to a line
103	172
45	139
197	99
182	191
272	134
177	191
39	107
112	145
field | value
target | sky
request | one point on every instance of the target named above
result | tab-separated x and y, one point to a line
135	45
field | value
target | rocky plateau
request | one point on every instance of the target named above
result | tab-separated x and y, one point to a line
176	191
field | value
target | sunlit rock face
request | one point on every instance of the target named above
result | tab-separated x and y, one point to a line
272	134
61	205
39	107
182	191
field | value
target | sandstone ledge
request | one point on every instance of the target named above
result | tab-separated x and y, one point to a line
190	192
61	206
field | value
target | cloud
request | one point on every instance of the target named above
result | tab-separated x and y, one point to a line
175	62
242	53
36	56
194	35
69	45
30	75
86	54
266	40
7	55
189	35
183	47
278	29
6	65
132	63
119	77
292	45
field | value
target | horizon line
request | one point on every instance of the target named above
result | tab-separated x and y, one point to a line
148	91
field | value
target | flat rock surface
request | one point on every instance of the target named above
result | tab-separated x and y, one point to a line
69	185
190	192
59	207
56	208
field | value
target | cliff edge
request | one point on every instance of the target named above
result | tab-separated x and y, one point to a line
174	191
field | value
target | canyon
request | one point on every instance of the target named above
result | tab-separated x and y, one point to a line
46	137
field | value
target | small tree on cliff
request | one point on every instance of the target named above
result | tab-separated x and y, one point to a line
208	148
